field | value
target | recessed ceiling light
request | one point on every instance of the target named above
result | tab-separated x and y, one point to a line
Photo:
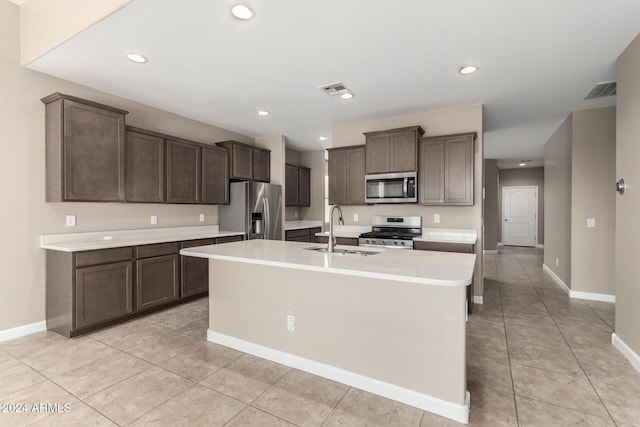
522	164
468	69
242	12
263	113
323	138
346	95
136	57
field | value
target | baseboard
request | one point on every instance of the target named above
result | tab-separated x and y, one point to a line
557	279
626	351
590	296
21	331
540	246
454	411
477	299
489	251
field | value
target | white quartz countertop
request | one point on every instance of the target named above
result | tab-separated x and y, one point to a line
448	235
298	225
424	267
353	231
73	242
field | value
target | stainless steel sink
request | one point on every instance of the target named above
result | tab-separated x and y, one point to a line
341	251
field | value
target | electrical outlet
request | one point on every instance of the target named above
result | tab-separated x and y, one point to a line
201	217
154	219
436	218
291	323
355	217
71	221
295	214
557	262
591	222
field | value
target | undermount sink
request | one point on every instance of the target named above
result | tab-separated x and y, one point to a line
341	251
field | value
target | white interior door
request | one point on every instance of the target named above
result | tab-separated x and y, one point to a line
519	216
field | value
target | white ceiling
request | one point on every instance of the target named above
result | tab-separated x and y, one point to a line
537	58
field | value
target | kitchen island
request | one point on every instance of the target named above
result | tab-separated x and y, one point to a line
392	323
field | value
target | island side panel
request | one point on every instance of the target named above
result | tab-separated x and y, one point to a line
407	334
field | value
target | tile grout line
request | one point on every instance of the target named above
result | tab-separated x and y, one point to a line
573	353
337	404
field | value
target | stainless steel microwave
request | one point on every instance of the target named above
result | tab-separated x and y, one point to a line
391	188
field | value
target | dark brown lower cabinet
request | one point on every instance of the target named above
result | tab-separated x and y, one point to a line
349	241
157	281
302	235
103	292
449	247
195	271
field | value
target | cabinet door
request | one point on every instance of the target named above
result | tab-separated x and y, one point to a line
458	169
291	181
241	162
356	173
102	293
183	172
157	281
377	153
145	175
403	151
215	176
304	187
431	175
261	165
195	271
337	177
93	159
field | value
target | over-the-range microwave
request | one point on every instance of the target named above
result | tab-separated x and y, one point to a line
391	188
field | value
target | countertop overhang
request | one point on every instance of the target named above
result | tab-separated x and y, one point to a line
422	267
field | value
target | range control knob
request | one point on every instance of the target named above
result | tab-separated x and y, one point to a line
402	243
384	242
395	242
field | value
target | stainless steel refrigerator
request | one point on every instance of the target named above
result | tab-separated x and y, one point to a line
255	209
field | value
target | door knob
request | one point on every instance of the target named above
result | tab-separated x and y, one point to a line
620	186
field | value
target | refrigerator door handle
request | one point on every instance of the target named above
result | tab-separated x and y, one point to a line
266	218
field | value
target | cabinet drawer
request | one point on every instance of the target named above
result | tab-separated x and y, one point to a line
298	239
199	242
229	239
304	232
349	241
103	256
148	251
443	247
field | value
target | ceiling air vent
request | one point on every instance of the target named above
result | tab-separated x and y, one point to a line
601	90
334	88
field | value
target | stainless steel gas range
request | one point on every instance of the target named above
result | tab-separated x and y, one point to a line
393	232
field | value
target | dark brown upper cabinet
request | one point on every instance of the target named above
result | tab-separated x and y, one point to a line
297	185
145	166
248	163
393	150
215	175
85	150
446	175
183	172
346	175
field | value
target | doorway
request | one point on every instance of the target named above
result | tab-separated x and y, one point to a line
520	216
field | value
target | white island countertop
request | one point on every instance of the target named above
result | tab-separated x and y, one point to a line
74	242
424	267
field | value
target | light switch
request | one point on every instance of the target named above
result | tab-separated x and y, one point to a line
355	217
591	222
71	220
154	219
201	217
436	218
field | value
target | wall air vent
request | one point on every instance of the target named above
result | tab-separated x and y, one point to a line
334	89
600	90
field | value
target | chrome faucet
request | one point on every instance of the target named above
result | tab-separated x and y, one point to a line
332	237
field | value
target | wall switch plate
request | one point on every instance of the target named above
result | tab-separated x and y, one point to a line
295	214
591	222
201	217
70	221
291	323
154	219
436	218
355	217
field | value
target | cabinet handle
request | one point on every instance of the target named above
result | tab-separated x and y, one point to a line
621	186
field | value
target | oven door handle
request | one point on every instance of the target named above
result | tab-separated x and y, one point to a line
405	189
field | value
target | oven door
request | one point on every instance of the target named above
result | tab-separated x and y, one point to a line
391	188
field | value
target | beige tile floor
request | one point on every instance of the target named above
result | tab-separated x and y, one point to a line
535	358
